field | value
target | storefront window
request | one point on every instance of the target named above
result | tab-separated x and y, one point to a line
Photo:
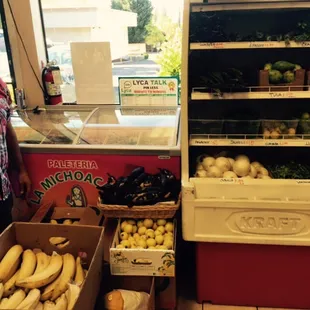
5	73
145	36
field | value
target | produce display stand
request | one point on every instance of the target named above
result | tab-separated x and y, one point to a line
252	234
71	151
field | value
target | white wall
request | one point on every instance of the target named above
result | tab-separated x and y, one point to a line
66	35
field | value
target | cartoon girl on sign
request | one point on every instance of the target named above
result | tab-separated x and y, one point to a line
77	199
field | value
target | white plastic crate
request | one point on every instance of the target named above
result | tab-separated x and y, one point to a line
247	211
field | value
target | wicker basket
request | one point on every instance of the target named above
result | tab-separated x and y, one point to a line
160	210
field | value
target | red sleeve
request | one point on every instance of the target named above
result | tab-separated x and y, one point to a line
4	92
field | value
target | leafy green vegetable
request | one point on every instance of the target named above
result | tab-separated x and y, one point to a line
292	170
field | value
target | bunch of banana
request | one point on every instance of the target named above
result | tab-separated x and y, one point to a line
65	222
31	279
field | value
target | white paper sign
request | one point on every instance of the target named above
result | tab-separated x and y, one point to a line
92	66
155	91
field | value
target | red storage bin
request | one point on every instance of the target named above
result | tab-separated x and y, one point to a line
253	275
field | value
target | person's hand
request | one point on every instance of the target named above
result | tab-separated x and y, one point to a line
25	184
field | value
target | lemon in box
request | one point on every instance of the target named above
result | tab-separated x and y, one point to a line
144	247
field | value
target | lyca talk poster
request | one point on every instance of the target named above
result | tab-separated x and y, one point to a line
155	91
72	180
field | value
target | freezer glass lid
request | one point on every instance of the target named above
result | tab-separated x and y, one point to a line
133	126
52	126
24	133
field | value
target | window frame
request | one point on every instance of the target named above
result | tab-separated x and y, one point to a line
7	45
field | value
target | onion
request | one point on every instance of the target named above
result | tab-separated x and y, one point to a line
199	167
200	158
231	160
208	162
263	171
264	177
201	174
241	167
214	172
247	177
256	164
253	172
230	175
244	157
223	164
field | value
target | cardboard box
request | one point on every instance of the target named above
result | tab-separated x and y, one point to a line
138	284
86	216
142	262
82	239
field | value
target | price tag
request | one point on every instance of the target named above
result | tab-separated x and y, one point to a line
232	181
281	95
261	44
214	45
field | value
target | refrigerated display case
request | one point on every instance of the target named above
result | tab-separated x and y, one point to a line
70	151
245	91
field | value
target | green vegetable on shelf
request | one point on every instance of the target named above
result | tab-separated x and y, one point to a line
297	67
283	66
268	66
289	77
291	170
275	76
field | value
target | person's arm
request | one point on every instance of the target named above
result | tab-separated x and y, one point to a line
15	154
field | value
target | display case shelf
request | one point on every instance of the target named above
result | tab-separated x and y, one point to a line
202	93
248	140
247	45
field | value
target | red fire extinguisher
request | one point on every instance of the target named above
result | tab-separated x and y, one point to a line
51	80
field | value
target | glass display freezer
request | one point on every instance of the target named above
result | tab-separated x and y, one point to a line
69	151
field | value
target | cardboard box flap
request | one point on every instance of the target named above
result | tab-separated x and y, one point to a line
42	212
83	237
85	216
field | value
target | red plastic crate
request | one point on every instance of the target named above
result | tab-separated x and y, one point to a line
253	275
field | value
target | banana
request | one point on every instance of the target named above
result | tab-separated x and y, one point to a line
42	262
9	261
66	276
48	305
76	222
63	245
79	275
61	303
46	276
9	286
57	240
12	271
3	302
85	273
53	222
1	290
39	306
31	301
15	300
73	295
48	291
28	265
67	222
